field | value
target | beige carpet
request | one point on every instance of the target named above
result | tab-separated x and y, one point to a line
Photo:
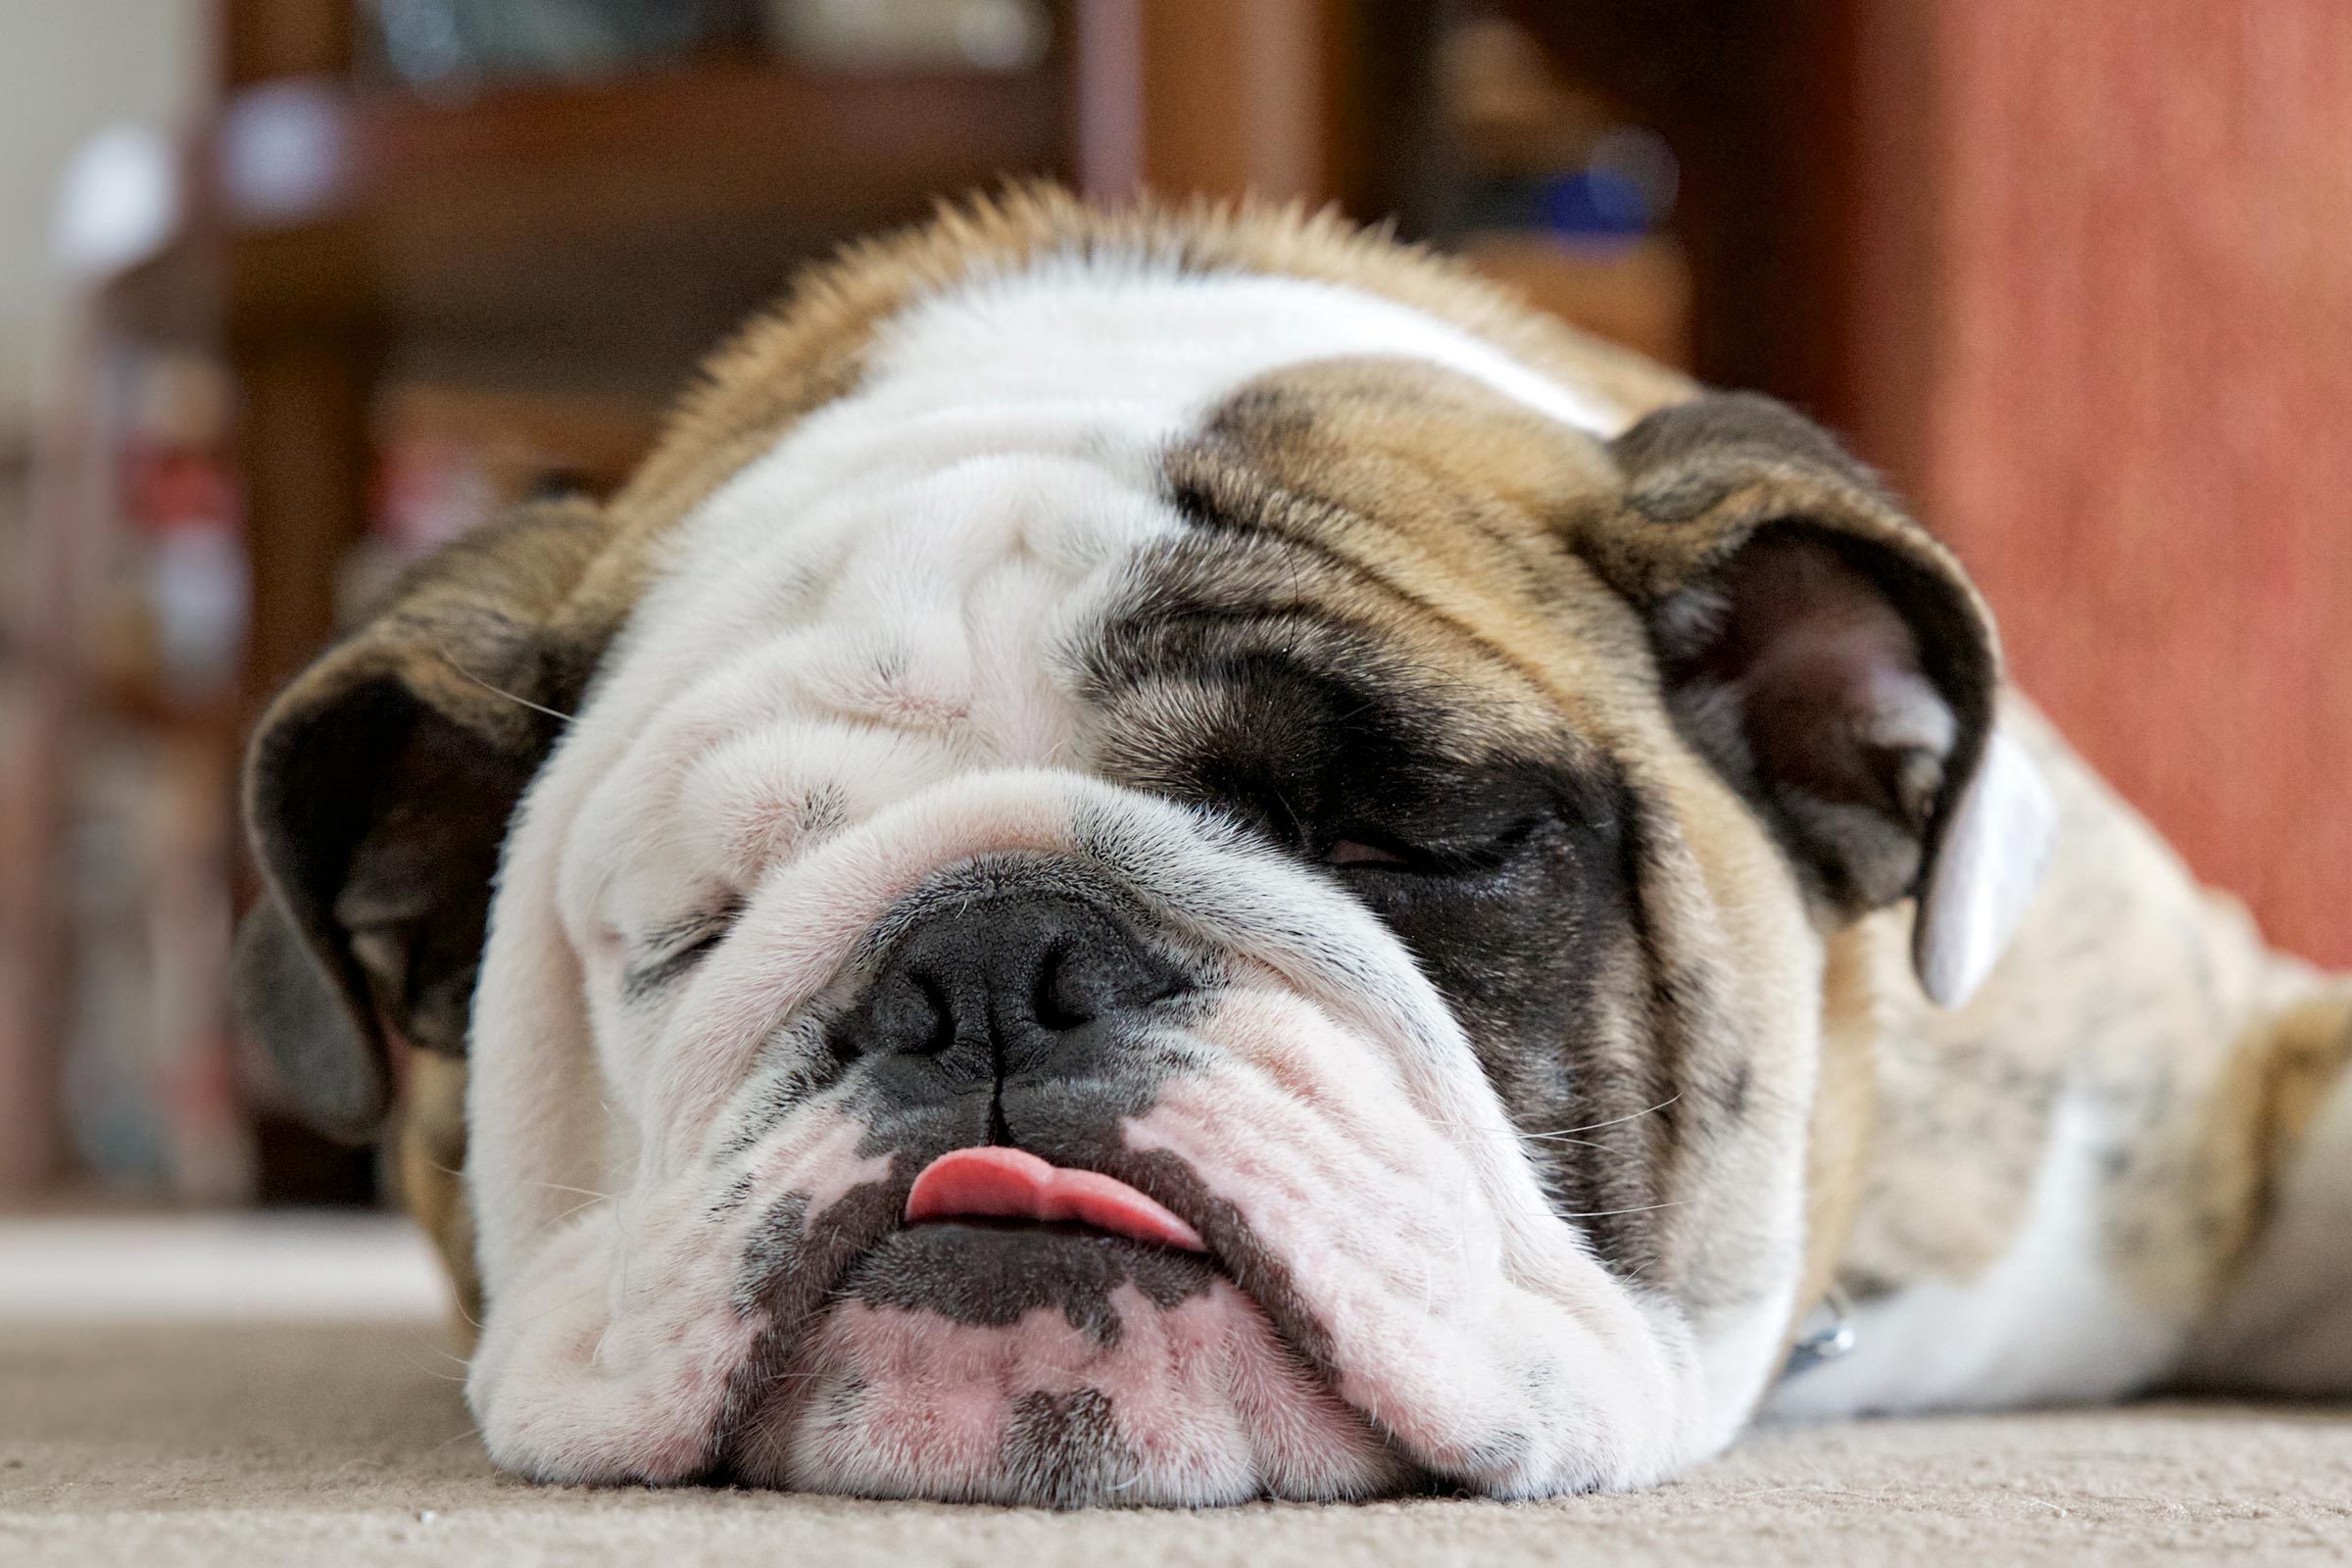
200	1436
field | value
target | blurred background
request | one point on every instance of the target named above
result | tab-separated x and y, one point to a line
293	290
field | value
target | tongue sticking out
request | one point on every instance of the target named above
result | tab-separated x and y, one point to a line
1010	1184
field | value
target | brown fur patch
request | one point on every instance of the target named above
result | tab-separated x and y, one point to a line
1862	968
431	1167
2310	1050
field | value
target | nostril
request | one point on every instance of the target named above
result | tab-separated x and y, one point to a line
1086	981
1069	991
910	1017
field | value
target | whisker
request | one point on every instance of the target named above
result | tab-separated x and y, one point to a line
1560	1136
470	1432
1613	1121
1643	1208
584	1203
1563	1138
426	1371
433	1372
498	691
437	1349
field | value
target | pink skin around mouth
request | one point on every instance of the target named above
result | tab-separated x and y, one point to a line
1011	1184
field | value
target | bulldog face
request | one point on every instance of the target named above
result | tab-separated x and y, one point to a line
1195	887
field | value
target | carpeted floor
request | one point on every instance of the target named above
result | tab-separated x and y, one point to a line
183	1432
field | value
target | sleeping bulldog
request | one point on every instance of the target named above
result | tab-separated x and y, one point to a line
1166	858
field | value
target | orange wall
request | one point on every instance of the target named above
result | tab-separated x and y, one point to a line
2102	332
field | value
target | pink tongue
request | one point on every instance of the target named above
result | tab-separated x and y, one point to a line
1011	1183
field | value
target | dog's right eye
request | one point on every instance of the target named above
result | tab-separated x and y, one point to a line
674	949
1353	851
1465	849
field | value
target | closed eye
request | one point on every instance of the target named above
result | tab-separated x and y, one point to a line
672	952
1453	857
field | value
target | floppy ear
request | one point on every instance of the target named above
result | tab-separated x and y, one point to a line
1835	664
377	789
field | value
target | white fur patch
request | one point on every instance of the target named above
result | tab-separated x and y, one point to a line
2050	1323
1141	351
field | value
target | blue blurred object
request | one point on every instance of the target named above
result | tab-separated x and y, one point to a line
430	43
1594	203
1626	188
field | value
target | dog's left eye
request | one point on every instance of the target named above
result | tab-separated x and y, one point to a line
674	949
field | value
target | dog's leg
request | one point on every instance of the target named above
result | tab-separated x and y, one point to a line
2283	1322
432	1172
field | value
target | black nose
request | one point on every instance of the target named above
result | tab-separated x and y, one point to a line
1010	986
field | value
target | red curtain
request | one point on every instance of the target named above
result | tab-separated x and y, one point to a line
2101	330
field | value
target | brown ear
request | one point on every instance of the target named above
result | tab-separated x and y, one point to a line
377	790
1832	661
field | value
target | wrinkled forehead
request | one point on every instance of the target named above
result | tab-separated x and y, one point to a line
1052	488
